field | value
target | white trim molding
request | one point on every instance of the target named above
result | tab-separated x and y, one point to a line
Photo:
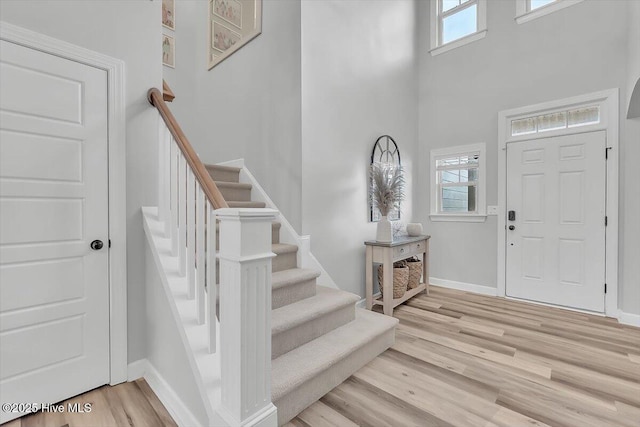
165	393
524	15
117	179
462	286
629	318
288	234
609	111
481	30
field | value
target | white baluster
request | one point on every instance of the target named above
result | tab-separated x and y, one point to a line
200	255
166	182
191	229
212	289
245	316
162	138
174	196
182	215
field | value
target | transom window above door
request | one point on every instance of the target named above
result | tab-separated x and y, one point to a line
456	22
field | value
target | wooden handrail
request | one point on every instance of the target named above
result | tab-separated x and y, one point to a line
199	171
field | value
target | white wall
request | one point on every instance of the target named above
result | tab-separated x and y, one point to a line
249	105
128	30
630	190
633	53
358	82
574	51
165	348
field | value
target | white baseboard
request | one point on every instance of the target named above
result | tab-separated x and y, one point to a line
136	369
363	302
629	318
169	398
461	286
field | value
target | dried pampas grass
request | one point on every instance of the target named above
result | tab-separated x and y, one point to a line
387	190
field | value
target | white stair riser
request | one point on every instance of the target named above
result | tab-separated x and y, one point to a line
301	334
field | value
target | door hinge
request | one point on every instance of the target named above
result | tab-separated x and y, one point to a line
606	152
606	220
605	288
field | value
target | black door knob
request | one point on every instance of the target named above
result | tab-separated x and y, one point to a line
96	245
512	227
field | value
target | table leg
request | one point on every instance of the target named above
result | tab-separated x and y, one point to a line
425	267
388	283
369	277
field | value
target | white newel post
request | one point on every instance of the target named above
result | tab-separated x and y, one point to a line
245	316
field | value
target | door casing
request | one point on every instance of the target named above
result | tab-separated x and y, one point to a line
117	181
609	110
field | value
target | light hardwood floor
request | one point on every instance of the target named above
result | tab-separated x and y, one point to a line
459	360
463	359
131	404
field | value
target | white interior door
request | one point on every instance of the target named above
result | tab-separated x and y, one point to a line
556	242
54	289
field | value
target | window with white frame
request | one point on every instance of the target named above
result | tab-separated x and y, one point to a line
527	10
458	183
456	22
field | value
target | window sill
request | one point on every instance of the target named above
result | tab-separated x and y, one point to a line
545	10
458	217
458	43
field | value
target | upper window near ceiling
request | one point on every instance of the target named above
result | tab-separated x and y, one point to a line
527	10
455	23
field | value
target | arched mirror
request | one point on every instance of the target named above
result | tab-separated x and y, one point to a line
385	150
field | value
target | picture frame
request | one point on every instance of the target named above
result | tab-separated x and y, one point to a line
168	51
229	11
223	38
169	14
232	24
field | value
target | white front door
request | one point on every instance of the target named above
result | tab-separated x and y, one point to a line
556	235
54	289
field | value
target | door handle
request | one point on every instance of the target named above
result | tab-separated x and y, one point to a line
512	227
96	245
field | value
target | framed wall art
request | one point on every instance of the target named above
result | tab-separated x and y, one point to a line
169	14
168	51
232	24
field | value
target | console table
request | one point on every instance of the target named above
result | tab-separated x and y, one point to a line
388	253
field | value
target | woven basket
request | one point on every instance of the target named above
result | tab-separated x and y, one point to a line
400	280
415	272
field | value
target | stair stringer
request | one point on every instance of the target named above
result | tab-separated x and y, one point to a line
287	233
204	367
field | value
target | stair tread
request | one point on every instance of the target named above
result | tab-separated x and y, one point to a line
294	368
224	168
235	204
283	248
281	279
235	185
323	302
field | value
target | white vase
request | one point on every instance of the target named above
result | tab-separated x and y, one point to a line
414	229
384	232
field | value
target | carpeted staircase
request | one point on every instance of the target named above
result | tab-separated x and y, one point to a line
319	338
